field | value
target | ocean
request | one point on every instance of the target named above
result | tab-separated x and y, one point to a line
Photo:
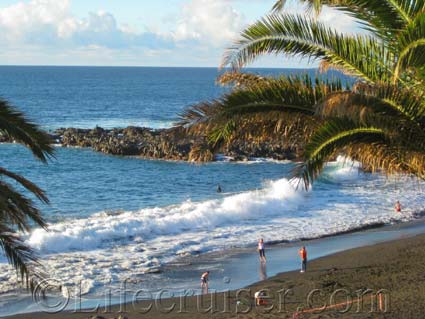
114	217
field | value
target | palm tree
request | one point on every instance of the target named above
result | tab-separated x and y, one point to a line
17	211
379	121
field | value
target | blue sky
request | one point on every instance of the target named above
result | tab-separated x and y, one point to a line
132	32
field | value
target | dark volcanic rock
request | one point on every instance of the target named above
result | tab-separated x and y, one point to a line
170	144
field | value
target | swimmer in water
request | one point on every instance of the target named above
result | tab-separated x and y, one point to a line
397	207
219	190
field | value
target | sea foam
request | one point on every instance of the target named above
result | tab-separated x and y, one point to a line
108	247
103	229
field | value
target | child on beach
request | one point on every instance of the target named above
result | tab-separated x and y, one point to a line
204	281
261	250
260	298
303	255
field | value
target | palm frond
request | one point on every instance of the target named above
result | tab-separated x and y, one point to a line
286	94
22	258
331	137
279	5
222	133
17	210
384	18
387	158
383	99
198	114
38	192
18	254
361	56
411	44
15	126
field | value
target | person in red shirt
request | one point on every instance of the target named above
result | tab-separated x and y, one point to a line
303	255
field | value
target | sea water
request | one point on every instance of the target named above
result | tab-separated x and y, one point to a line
112	218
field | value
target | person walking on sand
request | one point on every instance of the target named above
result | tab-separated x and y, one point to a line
397	207
204	281
303	255
261	250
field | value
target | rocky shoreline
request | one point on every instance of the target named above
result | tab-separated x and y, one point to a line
170	144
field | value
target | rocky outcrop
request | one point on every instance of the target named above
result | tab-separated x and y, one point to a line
171	144
131	141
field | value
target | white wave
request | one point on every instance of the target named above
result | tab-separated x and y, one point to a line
102	229
110	247
250	160
268	160
114	123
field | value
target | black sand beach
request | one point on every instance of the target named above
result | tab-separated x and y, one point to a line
347	283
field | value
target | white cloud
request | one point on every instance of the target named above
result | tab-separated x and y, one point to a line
19	21
50	23
46	31
214	22
201	27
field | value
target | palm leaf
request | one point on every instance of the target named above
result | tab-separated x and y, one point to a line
331	137
361	56
387	158
385	18
15	126
38	192
285	94
386	100
279	5
23	259
18	254
18	210
411	43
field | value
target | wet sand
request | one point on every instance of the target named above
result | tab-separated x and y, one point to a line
339	282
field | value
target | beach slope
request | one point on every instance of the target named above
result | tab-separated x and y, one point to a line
333	287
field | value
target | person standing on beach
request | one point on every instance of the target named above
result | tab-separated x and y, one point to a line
303	255
261	250
204	281
397	207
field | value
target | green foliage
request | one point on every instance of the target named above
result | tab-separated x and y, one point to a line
333	135
18	212
361	56
221	118
379	121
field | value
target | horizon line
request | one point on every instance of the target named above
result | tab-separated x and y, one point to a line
147	66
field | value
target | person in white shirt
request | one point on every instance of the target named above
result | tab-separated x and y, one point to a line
261	250
204	281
